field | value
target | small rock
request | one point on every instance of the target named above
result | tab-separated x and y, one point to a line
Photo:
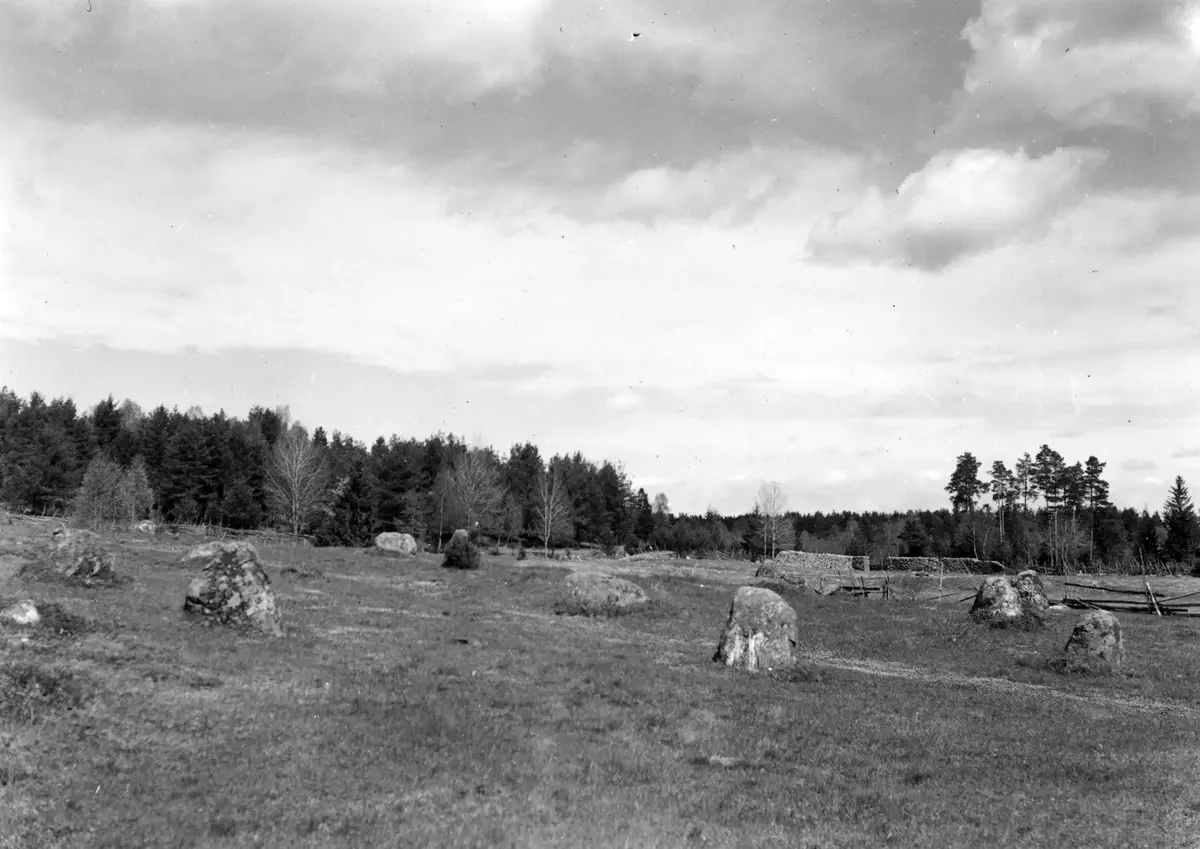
761	633
399	543
597	592
996	600
1097	635
22	613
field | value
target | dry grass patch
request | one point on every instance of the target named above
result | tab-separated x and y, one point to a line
475	717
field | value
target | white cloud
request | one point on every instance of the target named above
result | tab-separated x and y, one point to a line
734	184
1083	62
960	203
627	400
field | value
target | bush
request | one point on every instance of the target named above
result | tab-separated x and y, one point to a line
58	622
27	691
461	552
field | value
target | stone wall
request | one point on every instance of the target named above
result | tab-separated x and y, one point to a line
949	564
812	560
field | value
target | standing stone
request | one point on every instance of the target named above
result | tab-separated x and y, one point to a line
1097	636
761	633
233	587
399	543
78	555
1032	593
996	601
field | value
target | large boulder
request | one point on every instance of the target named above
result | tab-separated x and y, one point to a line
996	601
232	588
399	543
595	593
1097	636
78	556
1032	593
761	633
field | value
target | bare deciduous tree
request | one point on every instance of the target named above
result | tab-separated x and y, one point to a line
778	532
297	478
552	508
475	485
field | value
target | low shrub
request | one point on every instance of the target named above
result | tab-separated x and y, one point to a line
28	690
462	552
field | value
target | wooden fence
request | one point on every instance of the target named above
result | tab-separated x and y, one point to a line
1132	601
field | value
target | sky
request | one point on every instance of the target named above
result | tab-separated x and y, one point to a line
832	244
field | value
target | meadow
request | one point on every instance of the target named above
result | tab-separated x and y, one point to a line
410	705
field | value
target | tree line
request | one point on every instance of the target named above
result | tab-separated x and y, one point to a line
1056	515
116	463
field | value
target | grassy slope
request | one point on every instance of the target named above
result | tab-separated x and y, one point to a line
409	705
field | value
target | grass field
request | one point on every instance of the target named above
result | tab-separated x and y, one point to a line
409	705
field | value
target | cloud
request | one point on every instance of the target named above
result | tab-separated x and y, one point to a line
734	185
1138	465
1131	221
626	400
1184	453
458	49
960	203
1084	63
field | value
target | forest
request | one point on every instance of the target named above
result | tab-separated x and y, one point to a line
117	464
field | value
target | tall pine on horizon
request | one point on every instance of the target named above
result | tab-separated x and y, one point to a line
1183	528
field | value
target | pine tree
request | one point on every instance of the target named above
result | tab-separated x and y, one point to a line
1095	492
106	423
1026	485
965	488
1004	490
914	540
240	508
754	538
1048	475
352	514
1183	528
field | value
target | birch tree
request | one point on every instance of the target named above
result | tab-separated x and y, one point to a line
296	477
778	532
552	508
475	486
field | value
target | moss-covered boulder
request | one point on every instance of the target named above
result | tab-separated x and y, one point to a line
232	587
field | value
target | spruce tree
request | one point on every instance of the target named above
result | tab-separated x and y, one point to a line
1183	528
